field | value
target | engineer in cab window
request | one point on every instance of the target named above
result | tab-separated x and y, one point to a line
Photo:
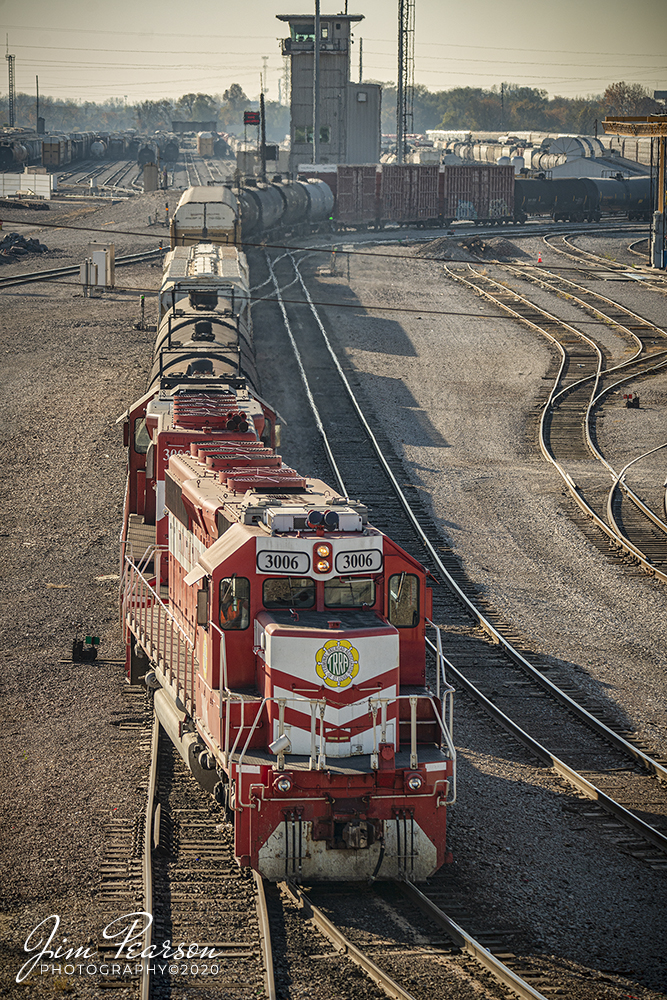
234	603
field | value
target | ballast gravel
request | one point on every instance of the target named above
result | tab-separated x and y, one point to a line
456	386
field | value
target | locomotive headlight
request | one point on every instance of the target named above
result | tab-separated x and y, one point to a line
284	784
415	782
322	558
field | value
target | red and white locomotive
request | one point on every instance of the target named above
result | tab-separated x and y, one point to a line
284	635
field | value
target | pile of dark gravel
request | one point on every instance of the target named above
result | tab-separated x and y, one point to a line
14	246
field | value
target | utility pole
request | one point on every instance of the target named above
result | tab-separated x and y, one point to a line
361	60
11	97
405	84
262	120
316	85
37	104
502	107
265	59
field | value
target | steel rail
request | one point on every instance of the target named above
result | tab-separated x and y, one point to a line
61	272
344	946
573	777
595	399
540	276
304	378
581	713
147	860
578	252
657	283
467	943
265	937
619	540
619	484
638	253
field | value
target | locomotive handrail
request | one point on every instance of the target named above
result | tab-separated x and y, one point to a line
139	596
441	676
319	759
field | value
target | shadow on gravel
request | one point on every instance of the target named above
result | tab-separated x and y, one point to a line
425	434
540	861
381	335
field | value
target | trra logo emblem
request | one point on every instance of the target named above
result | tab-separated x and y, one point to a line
337	662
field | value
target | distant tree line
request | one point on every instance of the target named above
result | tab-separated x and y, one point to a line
517	109
115	115
462	108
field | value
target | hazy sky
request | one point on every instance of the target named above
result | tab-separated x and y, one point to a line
144	49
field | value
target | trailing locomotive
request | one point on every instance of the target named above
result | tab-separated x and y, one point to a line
283	634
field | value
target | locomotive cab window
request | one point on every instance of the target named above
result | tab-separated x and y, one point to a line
289	592
234	603
349	592
142	438
404	600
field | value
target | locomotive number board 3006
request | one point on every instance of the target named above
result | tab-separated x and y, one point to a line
289	562
276	561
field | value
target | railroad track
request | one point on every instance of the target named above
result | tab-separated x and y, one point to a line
530	697
408	945
175	861
562	244
197	893
567	433
50	274
194	177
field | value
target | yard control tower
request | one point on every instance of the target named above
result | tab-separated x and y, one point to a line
349	113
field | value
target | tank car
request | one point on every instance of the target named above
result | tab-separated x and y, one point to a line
621	195
222	148
147	153
169	148
283	634
574	200
208	213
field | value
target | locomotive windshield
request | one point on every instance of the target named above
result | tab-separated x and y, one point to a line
349	592
289	592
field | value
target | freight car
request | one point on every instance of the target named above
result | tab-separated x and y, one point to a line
162	148
19	148
56	150
584	199
283	635
224	215
350	196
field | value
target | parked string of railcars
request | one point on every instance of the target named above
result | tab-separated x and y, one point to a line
283	635
431	195
19	148
370	196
